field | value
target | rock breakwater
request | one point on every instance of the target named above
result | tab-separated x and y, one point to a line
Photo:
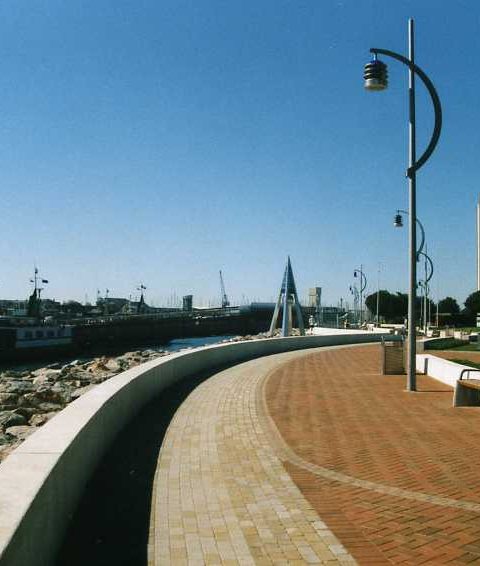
28	399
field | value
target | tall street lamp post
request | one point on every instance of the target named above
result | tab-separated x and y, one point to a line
378	295
376	79
363	285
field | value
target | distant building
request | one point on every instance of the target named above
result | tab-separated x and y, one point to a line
111	305
13	307
187	303
315	297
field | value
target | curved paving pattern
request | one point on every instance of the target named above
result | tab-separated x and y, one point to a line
313	457
221	494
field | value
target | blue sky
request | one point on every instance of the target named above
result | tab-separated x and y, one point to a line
159	142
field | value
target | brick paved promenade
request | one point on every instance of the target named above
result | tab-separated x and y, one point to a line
375	475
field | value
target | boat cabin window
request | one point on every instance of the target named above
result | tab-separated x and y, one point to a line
39	334
50	333
28	335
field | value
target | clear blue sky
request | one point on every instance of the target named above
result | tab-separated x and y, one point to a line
158	142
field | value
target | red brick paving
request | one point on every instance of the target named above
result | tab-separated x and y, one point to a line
336	411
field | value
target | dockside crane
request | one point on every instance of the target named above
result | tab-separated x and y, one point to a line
225	301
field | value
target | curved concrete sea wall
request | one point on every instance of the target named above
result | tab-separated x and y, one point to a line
42	480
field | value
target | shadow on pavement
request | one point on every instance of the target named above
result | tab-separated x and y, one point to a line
111	523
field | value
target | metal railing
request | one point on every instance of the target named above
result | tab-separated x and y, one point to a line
467	370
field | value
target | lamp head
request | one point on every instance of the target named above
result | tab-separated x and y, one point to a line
375	75
398	222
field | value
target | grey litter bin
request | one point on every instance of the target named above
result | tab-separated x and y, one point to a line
393	357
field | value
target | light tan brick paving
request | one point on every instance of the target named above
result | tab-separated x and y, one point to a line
221	494
381	476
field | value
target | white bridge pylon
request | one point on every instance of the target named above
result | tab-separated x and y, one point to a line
287	298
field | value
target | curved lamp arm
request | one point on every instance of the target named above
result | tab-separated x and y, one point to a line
422	232
430	263
363	279
436	105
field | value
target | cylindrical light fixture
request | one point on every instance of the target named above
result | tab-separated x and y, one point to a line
375	75
398	222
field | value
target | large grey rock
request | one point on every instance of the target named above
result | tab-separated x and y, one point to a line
20	432
42	379
48	372
9	419
8	401
9	374
26	412
100	377
81	391
28	400
49	407
113	366
80	376
18	387
56	394
4	439
41	418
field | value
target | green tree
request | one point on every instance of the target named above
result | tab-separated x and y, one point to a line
472	303
72	307
448	305
392	307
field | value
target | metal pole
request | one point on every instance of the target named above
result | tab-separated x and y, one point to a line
412	378
361	294
478	245
378	295
286	313
425	290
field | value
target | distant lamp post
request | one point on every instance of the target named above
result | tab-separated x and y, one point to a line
378	294
363	285
426	287
356	295
376	79
398	223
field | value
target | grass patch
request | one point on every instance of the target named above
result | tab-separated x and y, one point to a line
465	347
446	344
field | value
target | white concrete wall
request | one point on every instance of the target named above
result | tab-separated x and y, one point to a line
443	370
325	331
42	480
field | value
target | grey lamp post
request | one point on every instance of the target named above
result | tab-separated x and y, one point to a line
355	293
376	79
363	285
425	285
398	223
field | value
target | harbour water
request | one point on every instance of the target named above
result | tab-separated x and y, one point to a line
172	346
183	343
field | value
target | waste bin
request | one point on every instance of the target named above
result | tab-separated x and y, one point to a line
393	357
